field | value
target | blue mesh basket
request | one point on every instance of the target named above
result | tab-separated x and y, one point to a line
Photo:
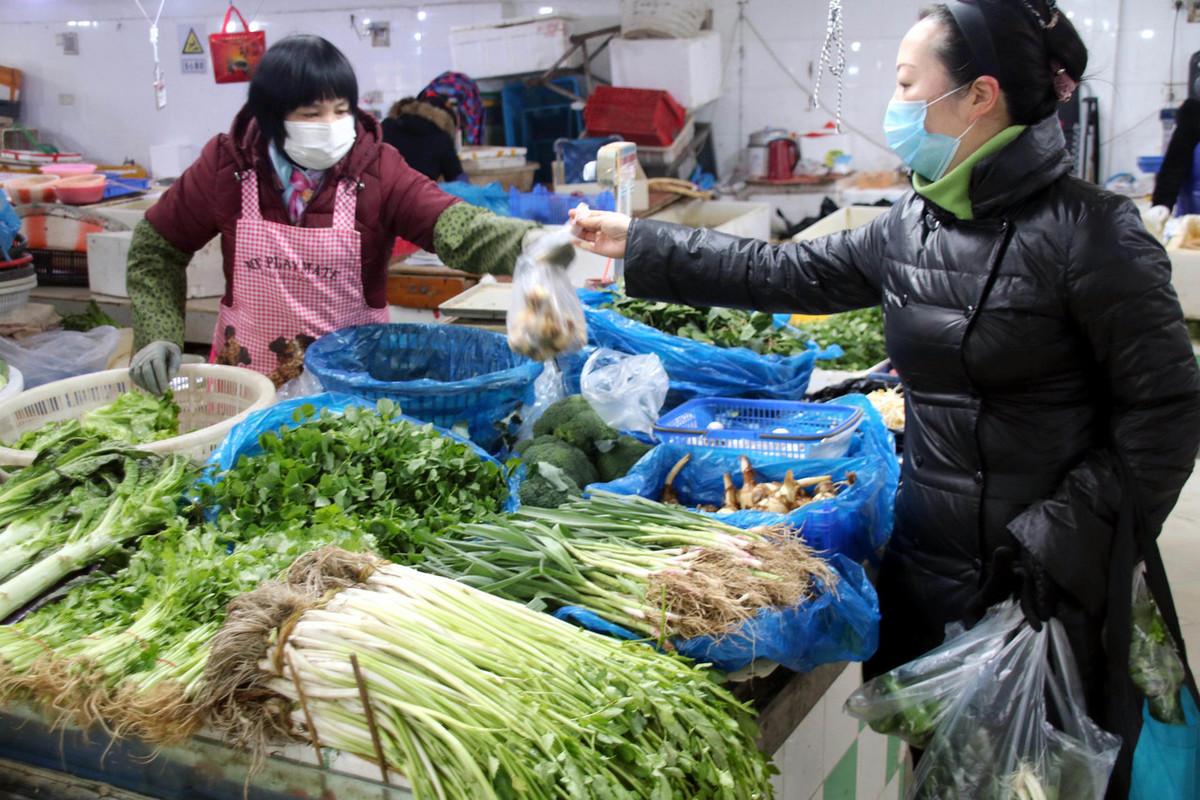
779	427
444	374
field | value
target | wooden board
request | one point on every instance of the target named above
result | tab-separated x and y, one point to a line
425	291
484	301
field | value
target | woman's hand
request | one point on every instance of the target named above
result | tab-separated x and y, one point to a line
601	232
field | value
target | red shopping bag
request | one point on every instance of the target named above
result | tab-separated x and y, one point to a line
236	54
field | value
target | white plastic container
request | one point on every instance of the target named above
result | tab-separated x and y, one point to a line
513	47
15	385
690	69
109	252
212	399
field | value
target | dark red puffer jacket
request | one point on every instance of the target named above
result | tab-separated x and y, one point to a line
393	199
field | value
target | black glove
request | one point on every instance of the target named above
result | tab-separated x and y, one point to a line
1038	593
997	587
1015	573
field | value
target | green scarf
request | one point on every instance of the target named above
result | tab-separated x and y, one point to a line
953	190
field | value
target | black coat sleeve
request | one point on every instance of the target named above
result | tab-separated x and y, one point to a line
1120	295
702	268
1177	162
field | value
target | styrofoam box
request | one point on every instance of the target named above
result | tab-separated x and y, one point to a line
529	44
750	220
841	220
1185	276
690	69
108	253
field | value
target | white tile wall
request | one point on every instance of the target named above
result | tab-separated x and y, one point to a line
1128	73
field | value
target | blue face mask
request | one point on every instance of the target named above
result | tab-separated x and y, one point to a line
929	154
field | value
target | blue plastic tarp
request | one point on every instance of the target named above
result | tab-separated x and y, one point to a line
697	369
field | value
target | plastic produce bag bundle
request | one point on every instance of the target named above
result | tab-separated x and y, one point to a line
626	391
545	318
985	702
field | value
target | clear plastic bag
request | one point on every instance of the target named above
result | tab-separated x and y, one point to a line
992	737
304	385
55	355
1154	662
545	318
627	391
548	389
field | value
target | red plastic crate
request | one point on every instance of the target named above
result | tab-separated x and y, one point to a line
649	117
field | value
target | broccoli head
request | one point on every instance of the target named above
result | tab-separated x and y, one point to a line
528	443
546	491
620	458
571	460
561	412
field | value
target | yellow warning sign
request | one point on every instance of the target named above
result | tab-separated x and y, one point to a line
191	45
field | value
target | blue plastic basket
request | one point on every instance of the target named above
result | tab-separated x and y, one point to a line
444	374
779	427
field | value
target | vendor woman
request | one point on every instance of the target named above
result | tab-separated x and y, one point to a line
1031	318
308	201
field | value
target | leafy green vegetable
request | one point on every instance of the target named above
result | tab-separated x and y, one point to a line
92	317
859	333
134	418
124	495
404	481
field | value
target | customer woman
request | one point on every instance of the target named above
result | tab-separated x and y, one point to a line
308	201
1031	319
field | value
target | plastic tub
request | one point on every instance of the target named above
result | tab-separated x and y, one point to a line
81	189
33	189
15	385
212	399
778	427
15	294
68	170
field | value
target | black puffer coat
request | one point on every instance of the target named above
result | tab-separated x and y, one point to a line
1035	343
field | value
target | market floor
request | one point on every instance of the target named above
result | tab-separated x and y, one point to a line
1180	544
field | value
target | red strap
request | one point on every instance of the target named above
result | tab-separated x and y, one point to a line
233	10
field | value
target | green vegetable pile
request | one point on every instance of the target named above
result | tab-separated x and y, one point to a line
127	646
134	418
859	333
403	481
92	317
474	696
572	448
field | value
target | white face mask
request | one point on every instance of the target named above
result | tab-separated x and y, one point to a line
319	145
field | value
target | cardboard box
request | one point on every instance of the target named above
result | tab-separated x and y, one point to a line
1185	276
690	69
514	47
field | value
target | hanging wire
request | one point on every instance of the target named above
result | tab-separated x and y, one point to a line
833	59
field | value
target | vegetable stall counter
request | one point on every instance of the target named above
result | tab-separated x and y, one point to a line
206	769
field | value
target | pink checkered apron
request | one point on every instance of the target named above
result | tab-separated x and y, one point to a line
291	285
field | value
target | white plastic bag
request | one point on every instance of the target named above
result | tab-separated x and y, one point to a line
55	355
626	391
545	318
992	737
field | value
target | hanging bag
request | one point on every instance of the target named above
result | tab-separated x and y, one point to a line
235	54
1166	758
